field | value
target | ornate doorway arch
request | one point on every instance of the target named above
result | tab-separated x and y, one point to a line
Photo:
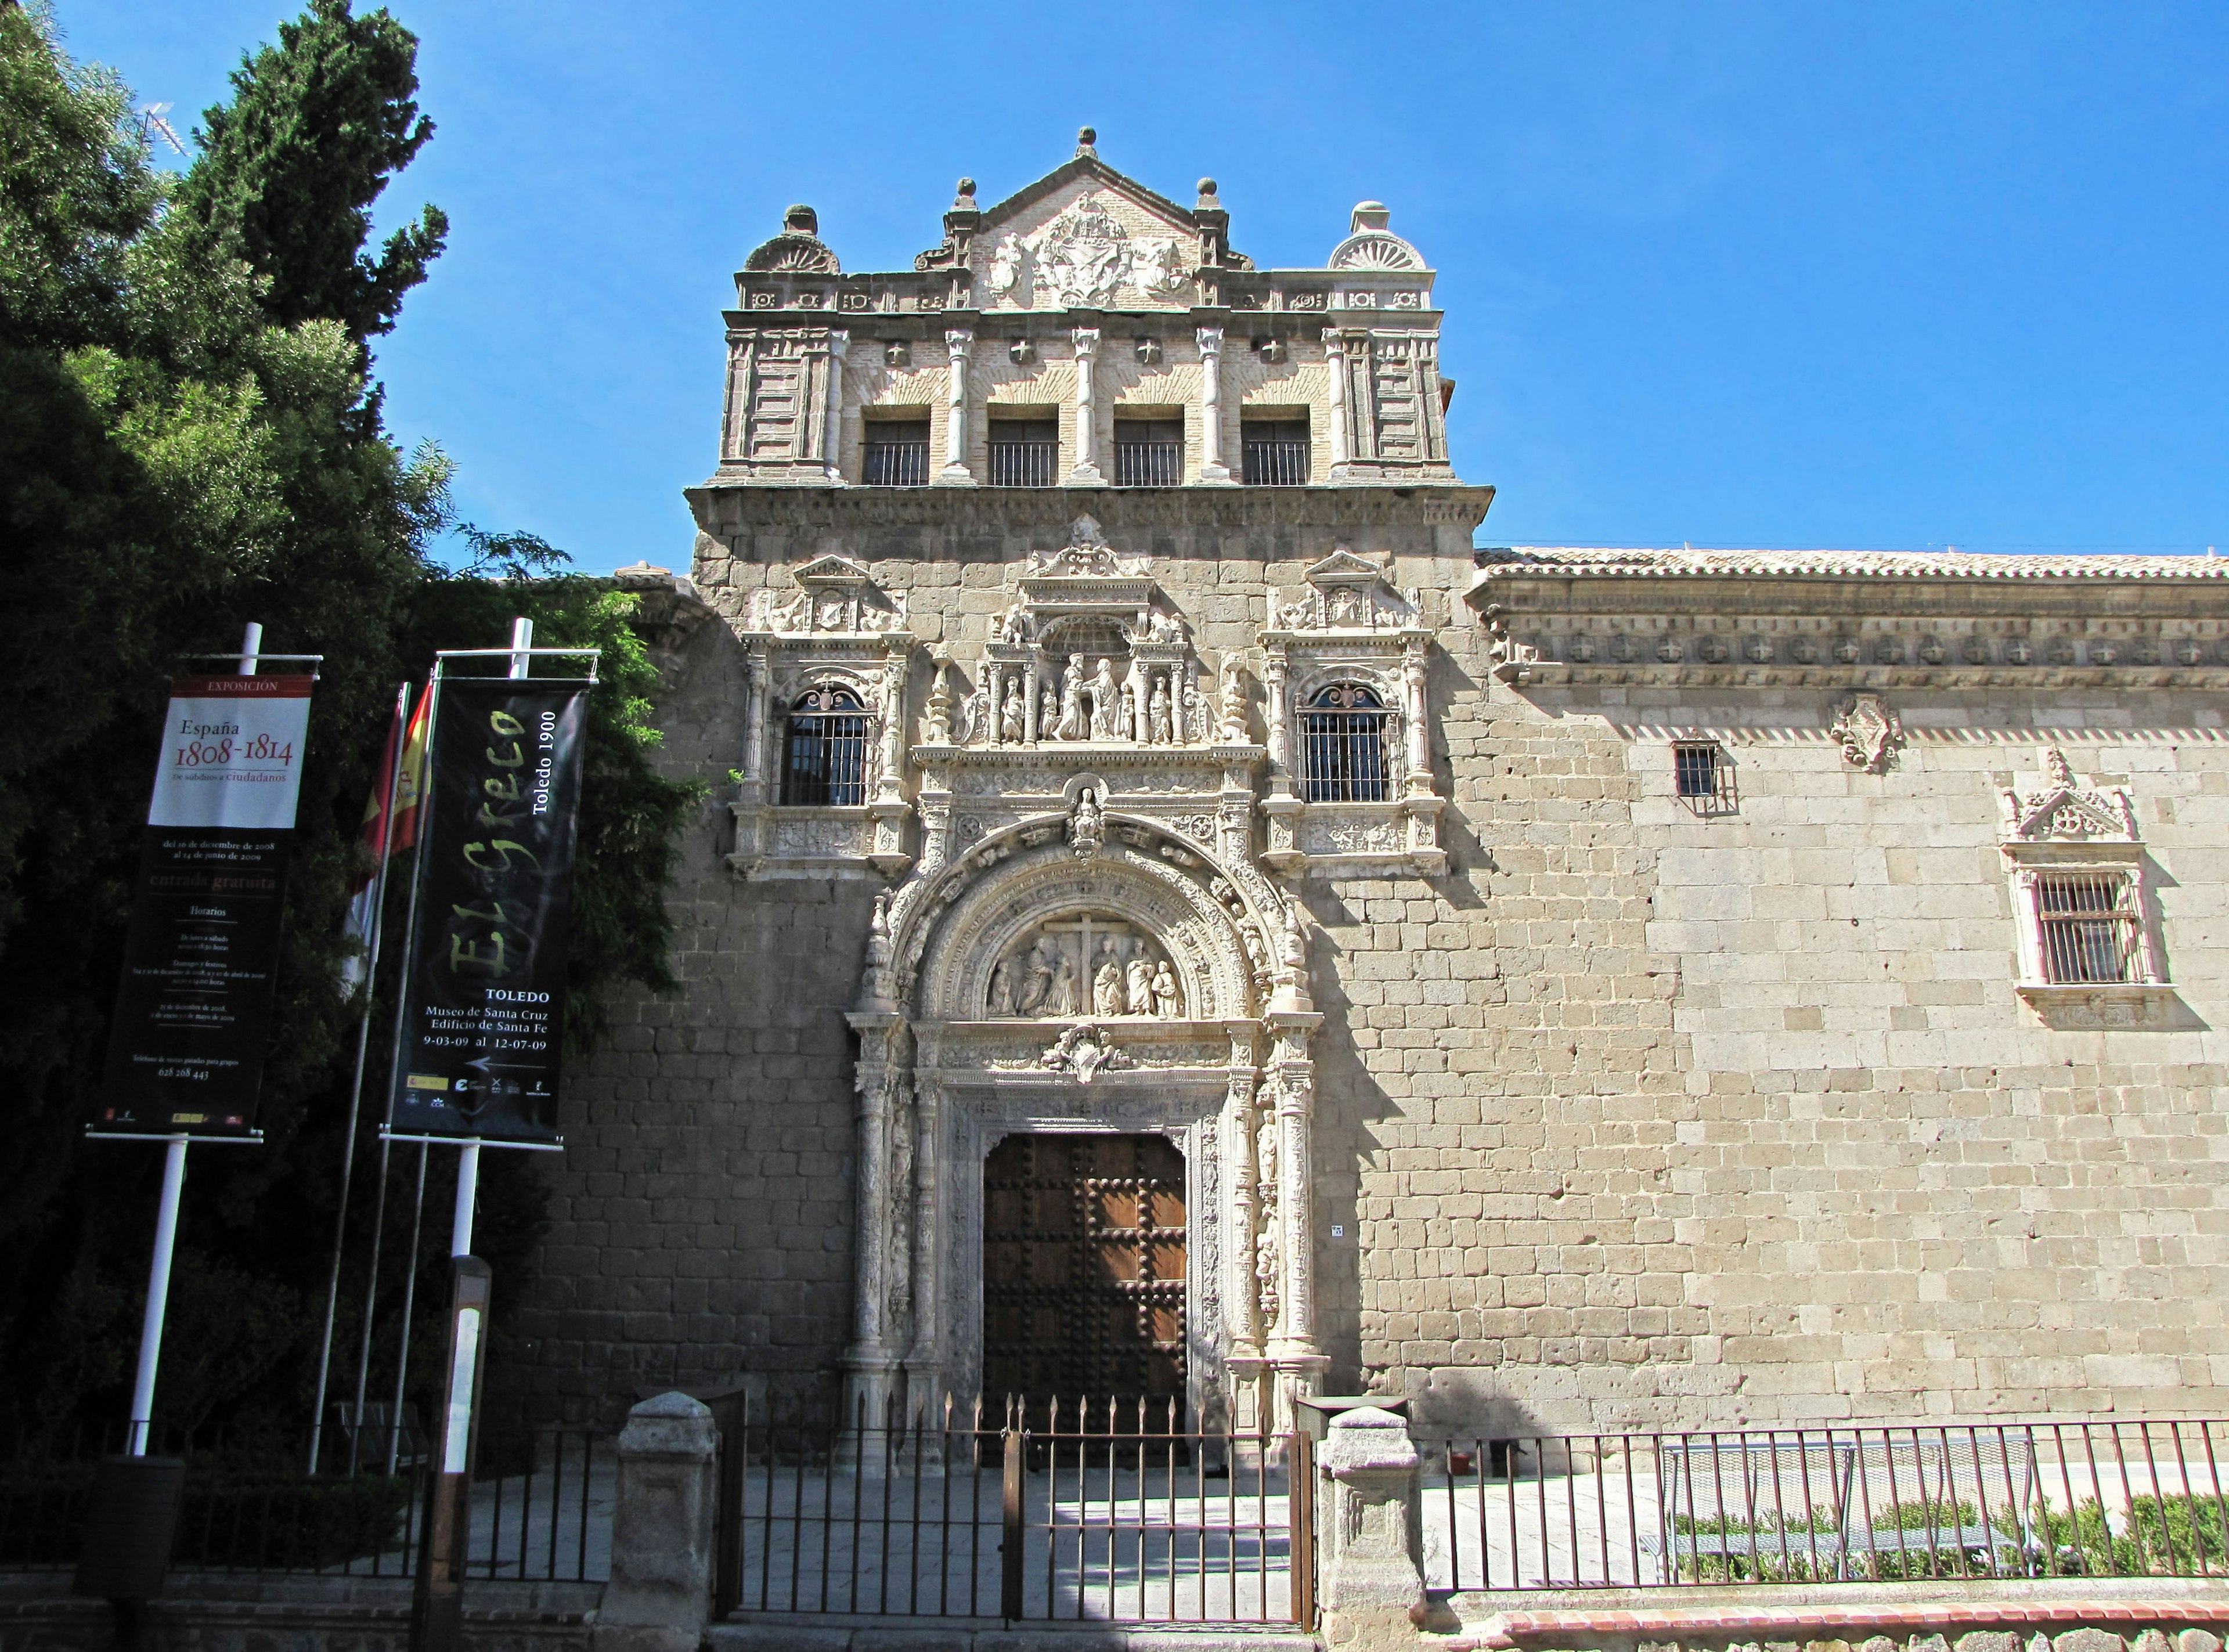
1090	971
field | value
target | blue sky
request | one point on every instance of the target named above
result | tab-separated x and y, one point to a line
1874	275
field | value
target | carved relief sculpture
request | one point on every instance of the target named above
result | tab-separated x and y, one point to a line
1868	731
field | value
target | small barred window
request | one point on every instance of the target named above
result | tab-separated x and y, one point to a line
1343	732
2089	925
824	757
1701	776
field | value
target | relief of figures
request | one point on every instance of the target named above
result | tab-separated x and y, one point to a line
1090	964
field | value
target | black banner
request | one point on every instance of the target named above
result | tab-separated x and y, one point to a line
483	1004
194	1012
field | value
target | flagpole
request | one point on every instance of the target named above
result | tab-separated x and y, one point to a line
409	1298
398	739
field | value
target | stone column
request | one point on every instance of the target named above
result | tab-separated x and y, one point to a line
869	1363
659	1595
832	437
1273	684
1412	708
957	343
755	689
1087	473
1373	1591
1292	1352
1211	467
1342	426
1035	676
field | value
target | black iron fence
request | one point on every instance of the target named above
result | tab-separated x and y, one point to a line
2109	1499
540	1507
1102	1510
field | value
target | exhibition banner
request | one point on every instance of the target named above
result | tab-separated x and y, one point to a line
484	985
193	1013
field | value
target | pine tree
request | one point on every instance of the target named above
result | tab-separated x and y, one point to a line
289	170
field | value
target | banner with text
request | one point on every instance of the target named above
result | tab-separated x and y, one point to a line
483	1005
193	1014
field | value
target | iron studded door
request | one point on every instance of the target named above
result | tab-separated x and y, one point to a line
1083	1268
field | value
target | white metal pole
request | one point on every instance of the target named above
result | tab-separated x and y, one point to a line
158	1293
401	727
468	1159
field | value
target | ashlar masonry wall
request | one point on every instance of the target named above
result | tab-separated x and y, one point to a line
1635	1118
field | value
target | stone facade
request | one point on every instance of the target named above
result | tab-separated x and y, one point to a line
1591	990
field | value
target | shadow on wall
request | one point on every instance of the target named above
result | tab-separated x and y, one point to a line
1459	1403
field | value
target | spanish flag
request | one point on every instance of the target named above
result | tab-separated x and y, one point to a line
385	838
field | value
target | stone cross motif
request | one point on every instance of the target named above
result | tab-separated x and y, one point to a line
1869	732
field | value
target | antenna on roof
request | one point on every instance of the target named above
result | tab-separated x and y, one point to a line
153	126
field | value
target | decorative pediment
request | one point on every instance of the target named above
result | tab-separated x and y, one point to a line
1348	592
835	597
2062	810
1091	240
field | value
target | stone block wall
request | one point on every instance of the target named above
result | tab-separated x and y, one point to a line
1633	1119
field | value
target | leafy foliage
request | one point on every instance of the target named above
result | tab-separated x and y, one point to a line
189	439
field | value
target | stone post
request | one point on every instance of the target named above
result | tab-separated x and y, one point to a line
1373	1592
659	1595
957	343
1087	473
1211	467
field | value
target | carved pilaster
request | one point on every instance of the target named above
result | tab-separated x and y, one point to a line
958	342
870	1362
1290	1122
1086	472
1342	426
1211	467
832	431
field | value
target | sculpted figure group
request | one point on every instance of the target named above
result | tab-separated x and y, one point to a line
1127	978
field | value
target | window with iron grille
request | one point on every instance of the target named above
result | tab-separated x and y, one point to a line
1148	453
1701	776
896	453
824	757
1025	452
1274	453
2088	921
1343	731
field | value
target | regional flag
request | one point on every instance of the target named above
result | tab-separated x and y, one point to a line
384	836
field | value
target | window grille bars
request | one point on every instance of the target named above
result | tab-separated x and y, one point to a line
1023	464
1343	747
1148	464
1274	462
2089	925
1702	778
824	757
895	463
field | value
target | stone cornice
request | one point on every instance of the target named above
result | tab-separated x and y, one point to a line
724	505
1573	563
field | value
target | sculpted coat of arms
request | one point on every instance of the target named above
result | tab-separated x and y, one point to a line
1082	258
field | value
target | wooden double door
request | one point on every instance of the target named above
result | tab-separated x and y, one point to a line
1083	1273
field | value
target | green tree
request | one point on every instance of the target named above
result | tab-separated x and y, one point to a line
188	440
288	171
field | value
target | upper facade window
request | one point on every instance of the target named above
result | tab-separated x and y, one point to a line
896	453
1148	453
2089	928
1275	452
2088	956
1343	746
824	757
1025	452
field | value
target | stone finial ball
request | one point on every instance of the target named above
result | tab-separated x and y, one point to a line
1087	135
1207	186
801	220
967	186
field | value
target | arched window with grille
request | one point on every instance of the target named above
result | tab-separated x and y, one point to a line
825	755
1343	733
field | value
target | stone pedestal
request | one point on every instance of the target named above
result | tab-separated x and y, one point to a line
659	1595
1374	1594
